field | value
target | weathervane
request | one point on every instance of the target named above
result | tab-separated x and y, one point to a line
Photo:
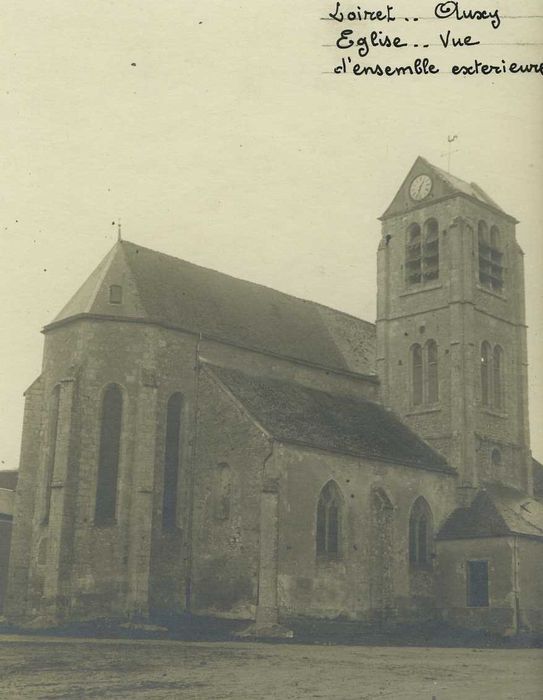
119	230
451	140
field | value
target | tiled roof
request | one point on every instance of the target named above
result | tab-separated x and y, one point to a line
294	413
496	511
162	289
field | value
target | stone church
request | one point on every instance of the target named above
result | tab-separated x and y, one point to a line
198	443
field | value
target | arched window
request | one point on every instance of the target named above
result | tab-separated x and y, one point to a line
172	454
497	376
52	447
329	521
420	534
490	257
424	374
431	372
496	457
223	491
492	385
416	375
413	257
109	453
485	374
496	260
430	251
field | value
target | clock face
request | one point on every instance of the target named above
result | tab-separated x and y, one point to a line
420	187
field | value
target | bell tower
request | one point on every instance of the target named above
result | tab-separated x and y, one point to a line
451	333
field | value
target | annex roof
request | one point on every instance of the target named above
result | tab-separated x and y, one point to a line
293	413
444	185
158	288
496	511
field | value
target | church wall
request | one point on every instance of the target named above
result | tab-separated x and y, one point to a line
452	558
229	462
276	367
175	372
347	587
530	583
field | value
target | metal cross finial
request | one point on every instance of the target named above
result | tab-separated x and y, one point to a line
451	140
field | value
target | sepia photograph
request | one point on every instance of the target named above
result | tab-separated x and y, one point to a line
272	356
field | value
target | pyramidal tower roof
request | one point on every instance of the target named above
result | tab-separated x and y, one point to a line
160	289
444	186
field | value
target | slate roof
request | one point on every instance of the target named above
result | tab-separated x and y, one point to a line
496	511
293	413
162	289
471	189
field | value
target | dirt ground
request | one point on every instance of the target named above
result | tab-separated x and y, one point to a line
46	668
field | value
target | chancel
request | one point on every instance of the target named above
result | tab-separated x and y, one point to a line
200	444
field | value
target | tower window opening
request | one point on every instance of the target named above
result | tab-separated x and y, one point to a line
422	253
424	374
491	269
430	251
492	367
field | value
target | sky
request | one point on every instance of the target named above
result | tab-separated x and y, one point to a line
217	131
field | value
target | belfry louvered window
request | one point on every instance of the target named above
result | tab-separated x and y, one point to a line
491	270
422	253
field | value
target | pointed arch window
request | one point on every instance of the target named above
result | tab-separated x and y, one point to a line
421	534
430	251
424	374
497	376
54	404
108	457
431	372
492	367
328	533
422	253
485	374
413	257
416	372
491	270
172	455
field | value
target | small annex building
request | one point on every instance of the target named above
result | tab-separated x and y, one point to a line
198	443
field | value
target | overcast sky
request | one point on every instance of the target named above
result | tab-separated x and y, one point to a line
231	144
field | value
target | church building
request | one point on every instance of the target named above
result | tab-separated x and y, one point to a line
200	444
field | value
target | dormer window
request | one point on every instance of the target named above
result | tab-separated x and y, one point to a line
422	253
115	294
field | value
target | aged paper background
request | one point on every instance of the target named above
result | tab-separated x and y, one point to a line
229	143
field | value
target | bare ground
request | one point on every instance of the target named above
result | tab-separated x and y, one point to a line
47	668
